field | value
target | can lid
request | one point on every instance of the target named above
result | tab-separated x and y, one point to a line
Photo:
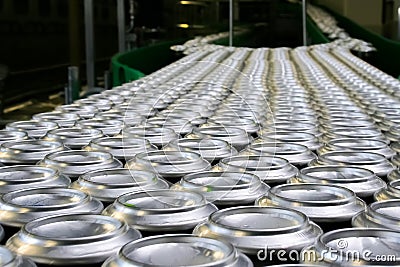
320	202
356	145
22	206
250	126
19	177
237	137
28	151
393	134
179	125
291	126
61	118
294	153
128	119
107	185
121	148
382	214
225	188
73	137
84	111
353	242
9	259
392	191
97	235
161	210
101	104
158	136
361	181
306	139
250	229
108	127
270	169
210	149
169	163
76	162
9	135
178	250
394	175
368	160
359	133
34	128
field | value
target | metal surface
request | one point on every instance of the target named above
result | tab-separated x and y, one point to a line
230	22
179	250
97	235
73	87
121	26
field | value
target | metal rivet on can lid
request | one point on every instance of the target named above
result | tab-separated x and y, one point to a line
108	185
321	203
22	206
98	236
178	250
250	229
76	162
224	188
161	210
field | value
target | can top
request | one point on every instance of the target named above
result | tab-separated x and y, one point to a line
109	184
77	162
28	151
249	125
251	228
34	128
307	139
62	118
161	210
8	258
382	214
320	202
158	136
108	127
169	164
179	250
10	135
73	137
224	187
28	176
99	236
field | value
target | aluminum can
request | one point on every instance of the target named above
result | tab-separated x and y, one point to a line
179	250
34	129
9	259
76	162
332	207
59	117
107	185
73	137
98	236
28	151
270	169
169	164
108	127
224	188
161	210
392	191
10	135
352	247
155	135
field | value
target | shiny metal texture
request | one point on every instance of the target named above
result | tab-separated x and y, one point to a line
28	151
392	191
22	206
361	181
121	148
250	229
107	185
18	177
73	137
10	135
108	127
10	259
178	250
169	164
34	128
224	188
368	160
161	210
155	135
307	139
61	118
76	162
356	240
97	236
320	202
269	169
382	214
210	149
